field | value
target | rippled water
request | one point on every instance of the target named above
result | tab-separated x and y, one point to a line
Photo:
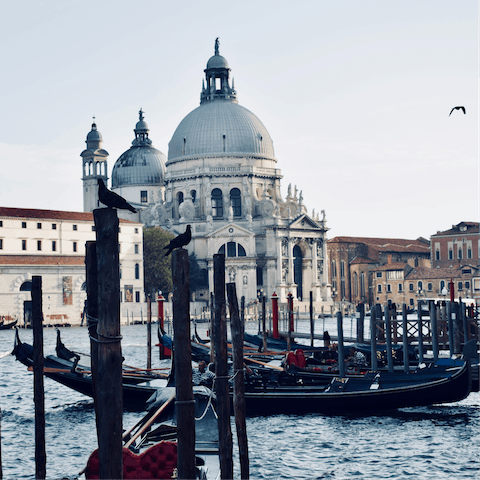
438	442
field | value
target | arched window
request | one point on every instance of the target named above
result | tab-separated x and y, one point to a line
233	249
420	286
217	203
137	271
355	284
236	202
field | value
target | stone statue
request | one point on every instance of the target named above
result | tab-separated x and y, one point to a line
289	191
300	200
231	275
230	213
295	192
217	45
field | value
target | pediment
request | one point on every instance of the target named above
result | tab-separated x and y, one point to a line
304	222
230	230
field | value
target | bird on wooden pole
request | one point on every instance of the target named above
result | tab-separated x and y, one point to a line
111	199
180	241
457	108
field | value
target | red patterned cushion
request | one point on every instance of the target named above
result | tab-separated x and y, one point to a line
158	462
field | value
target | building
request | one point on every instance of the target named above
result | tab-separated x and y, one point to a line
51	244
355	264
221	177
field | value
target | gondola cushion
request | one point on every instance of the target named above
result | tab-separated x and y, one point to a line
157	462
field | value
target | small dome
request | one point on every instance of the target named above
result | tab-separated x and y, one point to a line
140	165
217	61
94	138
141	125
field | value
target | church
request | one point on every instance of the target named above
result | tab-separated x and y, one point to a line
221	177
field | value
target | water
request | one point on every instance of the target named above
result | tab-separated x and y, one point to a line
438	442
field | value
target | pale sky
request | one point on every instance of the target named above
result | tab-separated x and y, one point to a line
356	95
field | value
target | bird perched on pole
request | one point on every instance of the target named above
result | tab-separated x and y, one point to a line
111	199
180	241
457	108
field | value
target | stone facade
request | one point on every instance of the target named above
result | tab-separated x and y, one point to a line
51	244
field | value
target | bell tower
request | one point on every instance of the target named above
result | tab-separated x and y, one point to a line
94	160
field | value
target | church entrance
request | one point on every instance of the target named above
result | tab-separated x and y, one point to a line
297	270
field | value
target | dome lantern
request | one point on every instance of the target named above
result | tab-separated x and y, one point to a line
217	77
94	138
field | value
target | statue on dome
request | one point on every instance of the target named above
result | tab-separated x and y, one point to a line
217	44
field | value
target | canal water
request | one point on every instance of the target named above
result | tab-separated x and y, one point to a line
437	442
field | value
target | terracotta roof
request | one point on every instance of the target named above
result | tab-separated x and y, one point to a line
361	260
392	266
434	273
388	244
42	260
472	227
50	214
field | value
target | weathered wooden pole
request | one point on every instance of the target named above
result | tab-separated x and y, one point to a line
275	315
185	403
289	323
239	405
149	333
341	352
464	319
264	324
242	311
434	325
312	321
388	338
373	339
290	311
406	350
221	369
451	336
457	327
360	322
38	389
212	328
420	332
109	393
161	323
92	317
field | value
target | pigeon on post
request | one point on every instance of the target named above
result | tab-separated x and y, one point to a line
111	199
457	108
180	241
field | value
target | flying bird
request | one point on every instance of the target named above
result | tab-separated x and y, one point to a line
457	108
111	199
180	241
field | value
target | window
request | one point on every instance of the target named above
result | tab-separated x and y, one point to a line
460	253
379	274
54	226
1	243
74	246
75	227
379	288
400	287
420	286
416	262
450	254
233	250
442	285
1	223
136	230
39	225
469	251
143	196
467	270
437	255
460	285
54	246
334	268
410	287
137	271
217	203
24	224
342	268
389	288
136	248
39	245
137	297
24	244
193	194
411	302
236	202
93	228
467	285
429	287
259	276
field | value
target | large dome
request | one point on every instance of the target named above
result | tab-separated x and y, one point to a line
141	164
220	128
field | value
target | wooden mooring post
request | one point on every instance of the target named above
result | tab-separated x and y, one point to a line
312	321
451	336
406	350
38	387
420	332
373	339
341	352
149	332
388	337
221	369
264	324
434	329
360	322
239	405
212	328
109	392
185	403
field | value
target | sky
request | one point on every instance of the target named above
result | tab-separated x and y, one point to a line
356	95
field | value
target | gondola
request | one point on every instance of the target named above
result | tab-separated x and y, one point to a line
79	378
445	382
8	326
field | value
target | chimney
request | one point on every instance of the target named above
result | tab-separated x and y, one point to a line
389	259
